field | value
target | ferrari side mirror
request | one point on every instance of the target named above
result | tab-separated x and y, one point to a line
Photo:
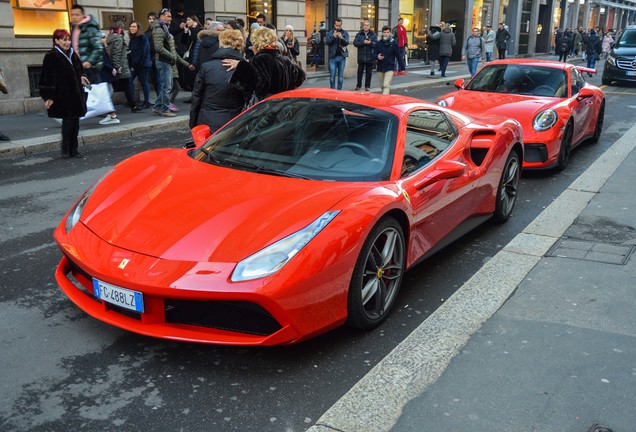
446	169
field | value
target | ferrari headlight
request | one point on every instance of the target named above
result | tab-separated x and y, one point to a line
76	212
271	259
545	120
611	59
441	102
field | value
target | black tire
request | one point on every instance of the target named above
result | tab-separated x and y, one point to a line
599	123
606	81
566	148
508	187
377	276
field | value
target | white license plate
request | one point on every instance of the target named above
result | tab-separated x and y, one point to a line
631	73
128	299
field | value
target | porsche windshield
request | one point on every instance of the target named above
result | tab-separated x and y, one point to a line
307	138
520	79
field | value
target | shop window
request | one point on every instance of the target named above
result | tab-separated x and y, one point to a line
34	73
368	12
39	17
265	7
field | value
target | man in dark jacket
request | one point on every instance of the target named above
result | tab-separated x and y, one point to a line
432	40
152	17
365	42
86	40
337	40
564	45
593	48
501	40
387	53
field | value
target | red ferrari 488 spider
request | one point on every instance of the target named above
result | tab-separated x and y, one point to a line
556	107
299	215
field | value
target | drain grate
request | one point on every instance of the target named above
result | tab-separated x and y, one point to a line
591	251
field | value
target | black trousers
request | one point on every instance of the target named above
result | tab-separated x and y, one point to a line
502	52
367	70
70	130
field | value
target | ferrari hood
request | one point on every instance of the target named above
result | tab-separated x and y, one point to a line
168	205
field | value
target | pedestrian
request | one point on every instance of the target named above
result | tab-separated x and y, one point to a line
447	41
62	84
272	72
108	74
152	17
189	39
337	40
564	45
489	38
365	41
473	51
400	35
291	43
593	48
140	63
432	40
261	20
3	89
387	50
86	42
177	28
167	57
215	100
209	41
501	40
576	42
118	52
607	42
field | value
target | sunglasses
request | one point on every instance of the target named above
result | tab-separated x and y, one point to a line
163	11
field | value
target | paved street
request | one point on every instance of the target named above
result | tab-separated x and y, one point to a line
65	370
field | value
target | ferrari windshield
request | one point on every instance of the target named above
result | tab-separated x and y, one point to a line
520	79
315	139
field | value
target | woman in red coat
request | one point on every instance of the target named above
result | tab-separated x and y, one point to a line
61	87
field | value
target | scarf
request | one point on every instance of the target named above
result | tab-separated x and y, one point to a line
76	33
66	55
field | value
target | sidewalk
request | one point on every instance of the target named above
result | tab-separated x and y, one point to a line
34	133
542	338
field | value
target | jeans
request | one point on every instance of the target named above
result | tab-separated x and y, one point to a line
336	65
400	60
488	56
591	61
164	81
142	75
364	69
472	65
443	64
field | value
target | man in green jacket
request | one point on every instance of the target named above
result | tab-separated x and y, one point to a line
86	42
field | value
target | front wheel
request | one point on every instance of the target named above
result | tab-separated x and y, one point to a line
377	275
599	123
566	148
508	188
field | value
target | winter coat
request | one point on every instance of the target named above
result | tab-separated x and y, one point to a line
294	51
90	41
501	38
164	47
489	37
60	80
189	40
474	47
106	74
209	44
447	41
177	32
432	40
151	43
333	43
365	52
273	72
593	45
214	100
118	52
139	52
577	39
563	41
389	49
608	40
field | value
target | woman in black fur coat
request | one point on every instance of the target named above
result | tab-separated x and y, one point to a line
61	87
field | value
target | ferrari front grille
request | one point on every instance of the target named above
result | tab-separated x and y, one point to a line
237	316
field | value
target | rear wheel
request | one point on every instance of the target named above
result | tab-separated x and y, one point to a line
377	275
599	123
566	148
508	187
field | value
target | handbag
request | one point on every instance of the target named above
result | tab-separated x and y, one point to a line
98	101
186	55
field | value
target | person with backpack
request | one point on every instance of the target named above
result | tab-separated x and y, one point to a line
593	48
501	40
473	51
564	45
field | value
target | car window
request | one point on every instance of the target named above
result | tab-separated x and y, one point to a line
577	81
628	39
308	138
428	134
520	79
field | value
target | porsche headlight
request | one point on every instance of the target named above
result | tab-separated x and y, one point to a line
76	212
545	120
611	59
441	102
271	259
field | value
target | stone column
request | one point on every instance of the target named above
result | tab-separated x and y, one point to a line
532	34
496	4
575	15
586	14
436	11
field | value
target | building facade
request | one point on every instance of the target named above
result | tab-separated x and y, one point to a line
26	26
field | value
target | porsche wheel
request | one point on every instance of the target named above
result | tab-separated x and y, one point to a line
377	275
599	123
566	148
508	187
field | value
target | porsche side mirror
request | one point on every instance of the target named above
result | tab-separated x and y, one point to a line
200	134
459	83
444	170
585	93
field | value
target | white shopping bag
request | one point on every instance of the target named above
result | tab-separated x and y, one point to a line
99	101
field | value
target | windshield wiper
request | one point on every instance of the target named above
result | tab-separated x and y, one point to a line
263	170
211	156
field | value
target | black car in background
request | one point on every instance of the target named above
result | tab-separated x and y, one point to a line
621	59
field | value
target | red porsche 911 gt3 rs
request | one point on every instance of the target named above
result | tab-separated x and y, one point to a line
556	107
299	215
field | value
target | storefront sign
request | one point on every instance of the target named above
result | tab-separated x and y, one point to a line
110	17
